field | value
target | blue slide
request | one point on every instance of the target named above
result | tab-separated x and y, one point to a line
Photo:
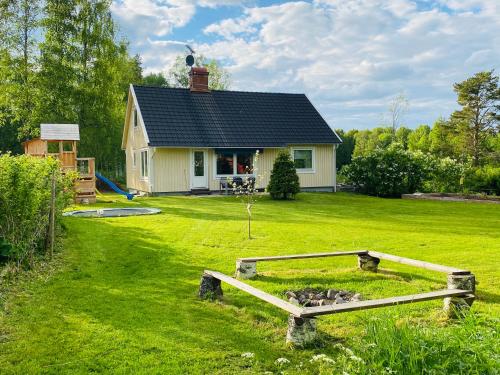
113	186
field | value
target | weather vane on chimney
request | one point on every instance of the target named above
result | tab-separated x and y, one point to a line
190	57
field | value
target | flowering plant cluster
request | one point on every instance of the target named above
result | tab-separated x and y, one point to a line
394	171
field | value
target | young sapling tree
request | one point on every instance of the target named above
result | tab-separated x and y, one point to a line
247	190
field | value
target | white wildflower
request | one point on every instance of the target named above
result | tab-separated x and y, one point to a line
356	359
349	352
248	355
321	358
281	361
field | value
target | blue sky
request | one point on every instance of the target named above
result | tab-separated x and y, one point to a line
350	57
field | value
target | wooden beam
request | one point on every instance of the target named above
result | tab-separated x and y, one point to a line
418	263
278	302
371	304
303	256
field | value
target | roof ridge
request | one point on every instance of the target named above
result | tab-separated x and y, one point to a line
238	91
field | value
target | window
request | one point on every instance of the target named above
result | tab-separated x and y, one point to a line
144	164
53	147
234	163
199	163
134	159
244	163
68	146
225	163
135	119
303	159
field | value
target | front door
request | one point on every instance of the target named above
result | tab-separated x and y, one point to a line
199	171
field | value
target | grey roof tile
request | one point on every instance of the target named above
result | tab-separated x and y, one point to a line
177	117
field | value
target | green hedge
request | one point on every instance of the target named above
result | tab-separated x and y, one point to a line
483	180
388	172
393	171
25	196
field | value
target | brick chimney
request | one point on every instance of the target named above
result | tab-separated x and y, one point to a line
198	79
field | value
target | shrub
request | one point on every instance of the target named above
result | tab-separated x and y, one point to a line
484	180
446	176
25	195
388	172
284	182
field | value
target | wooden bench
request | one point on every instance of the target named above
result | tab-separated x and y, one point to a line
246	268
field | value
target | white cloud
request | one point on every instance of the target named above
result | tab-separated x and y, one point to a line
150	17
349	56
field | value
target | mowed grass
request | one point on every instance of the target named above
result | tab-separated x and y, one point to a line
124	296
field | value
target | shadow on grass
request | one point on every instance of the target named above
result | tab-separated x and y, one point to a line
133	283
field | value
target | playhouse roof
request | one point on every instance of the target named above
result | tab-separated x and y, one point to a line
59	132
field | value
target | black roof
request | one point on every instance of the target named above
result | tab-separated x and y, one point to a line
178	117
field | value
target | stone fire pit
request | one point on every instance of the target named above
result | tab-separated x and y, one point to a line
310	297
304	306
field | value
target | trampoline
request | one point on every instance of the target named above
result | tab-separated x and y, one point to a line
113	212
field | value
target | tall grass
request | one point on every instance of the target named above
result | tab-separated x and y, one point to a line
468	346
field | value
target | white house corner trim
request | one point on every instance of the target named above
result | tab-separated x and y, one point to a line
139	114
126	123
334	162
151	153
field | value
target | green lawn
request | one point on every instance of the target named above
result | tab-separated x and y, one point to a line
123	297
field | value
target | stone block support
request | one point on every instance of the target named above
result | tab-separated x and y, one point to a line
210	288
368	263
246	270
456	307
301	331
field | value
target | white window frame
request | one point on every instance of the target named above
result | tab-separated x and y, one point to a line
144	176
313	156
235	167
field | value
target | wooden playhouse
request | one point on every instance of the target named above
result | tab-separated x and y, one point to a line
60	141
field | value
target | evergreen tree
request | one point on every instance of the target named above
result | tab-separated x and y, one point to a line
479	117
284	182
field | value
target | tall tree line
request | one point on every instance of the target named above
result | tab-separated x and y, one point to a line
62	62
470	134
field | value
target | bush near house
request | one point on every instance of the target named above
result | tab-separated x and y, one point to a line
25	200
395	171
284	182
388	172
483	180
